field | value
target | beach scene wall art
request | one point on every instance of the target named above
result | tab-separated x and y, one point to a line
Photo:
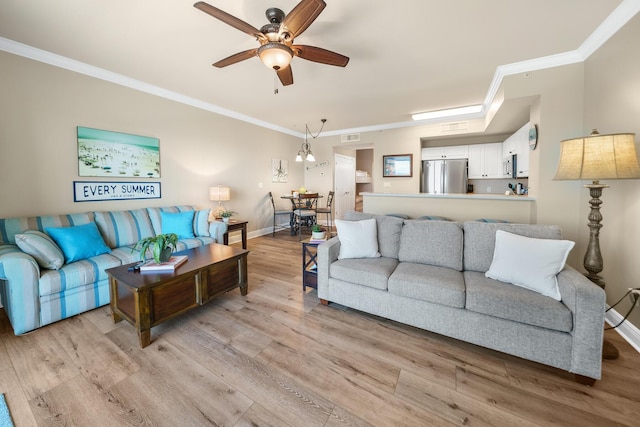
114	154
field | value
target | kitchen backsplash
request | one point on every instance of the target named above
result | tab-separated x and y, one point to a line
496	186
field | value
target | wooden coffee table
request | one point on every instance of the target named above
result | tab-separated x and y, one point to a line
148	299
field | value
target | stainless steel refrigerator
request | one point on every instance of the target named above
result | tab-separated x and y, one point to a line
444	176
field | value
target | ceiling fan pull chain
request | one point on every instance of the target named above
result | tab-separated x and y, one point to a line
275	85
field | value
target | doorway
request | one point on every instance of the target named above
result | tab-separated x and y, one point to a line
364	170
345	171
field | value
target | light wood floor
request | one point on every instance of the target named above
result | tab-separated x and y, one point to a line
277	357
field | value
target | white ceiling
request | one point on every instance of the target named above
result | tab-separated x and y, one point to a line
406	56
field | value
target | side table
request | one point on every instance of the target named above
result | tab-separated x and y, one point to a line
237	225
309	266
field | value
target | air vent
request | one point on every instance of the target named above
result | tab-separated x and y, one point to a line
455	126
352	137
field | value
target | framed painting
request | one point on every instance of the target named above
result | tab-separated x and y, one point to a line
279	170
113	154
397	165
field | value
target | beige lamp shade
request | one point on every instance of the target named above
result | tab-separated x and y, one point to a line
598	157
219	194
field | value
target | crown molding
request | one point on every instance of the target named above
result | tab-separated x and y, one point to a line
60	61
626	10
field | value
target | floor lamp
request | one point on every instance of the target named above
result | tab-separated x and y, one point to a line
597	157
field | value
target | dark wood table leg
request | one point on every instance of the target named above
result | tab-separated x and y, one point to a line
244	280
244	236
144	337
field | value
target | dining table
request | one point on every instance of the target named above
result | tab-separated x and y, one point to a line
301	201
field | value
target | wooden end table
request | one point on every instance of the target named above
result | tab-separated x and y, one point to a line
146	299
309	264
237	225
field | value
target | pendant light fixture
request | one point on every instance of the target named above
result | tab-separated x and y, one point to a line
305	152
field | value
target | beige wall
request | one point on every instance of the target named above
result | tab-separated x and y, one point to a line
612	104
42	105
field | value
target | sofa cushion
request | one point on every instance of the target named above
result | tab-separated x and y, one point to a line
122	228
42	248
126	254
389	230
201	223
358	239
193	243
371	272
77	274
78	242
9	227
480	238
503	300
180	223
154	215
530	263
430	283
432	242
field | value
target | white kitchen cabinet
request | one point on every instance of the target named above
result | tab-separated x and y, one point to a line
485	161
510	146
518	143
452	152
523	159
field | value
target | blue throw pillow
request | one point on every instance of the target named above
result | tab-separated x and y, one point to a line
79	242
180	223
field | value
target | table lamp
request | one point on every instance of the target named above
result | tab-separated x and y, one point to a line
597	157
219	194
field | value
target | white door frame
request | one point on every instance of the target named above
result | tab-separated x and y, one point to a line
345	184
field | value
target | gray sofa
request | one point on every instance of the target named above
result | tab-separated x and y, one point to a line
431	275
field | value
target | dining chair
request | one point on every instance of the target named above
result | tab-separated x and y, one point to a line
328	210
305	215
289	213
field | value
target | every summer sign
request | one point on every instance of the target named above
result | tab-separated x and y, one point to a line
91	191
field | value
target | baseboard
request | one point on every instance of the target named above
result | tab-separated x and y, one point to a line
264	231
627	330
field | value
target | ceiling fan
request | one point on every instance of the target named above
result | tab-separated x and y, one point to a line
276	38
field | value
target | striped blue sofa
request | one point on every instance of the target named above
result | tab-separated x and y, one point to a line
36	292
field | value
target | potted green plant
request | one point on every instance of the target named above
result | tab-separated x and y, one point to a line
161	246
317	232
226	215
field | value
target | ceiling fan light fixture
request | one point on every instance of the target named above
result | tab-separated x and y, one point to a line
276	56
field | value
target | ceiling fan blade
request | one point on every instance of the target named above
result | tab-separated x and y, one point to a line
240	56
317	54
285	75
302	16
236	23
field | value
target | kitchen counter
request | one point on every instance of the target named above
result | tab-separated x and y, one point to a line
476	196
457	207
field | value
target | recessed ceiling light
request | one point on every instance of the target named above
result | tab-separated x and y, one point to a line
438	114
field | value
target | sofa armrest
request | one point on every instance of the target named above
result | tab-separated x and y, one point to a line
19	284
327	253
217	230
587	302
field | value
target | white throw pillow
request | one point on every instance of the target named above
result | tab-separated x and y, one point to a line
529	263
358	239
